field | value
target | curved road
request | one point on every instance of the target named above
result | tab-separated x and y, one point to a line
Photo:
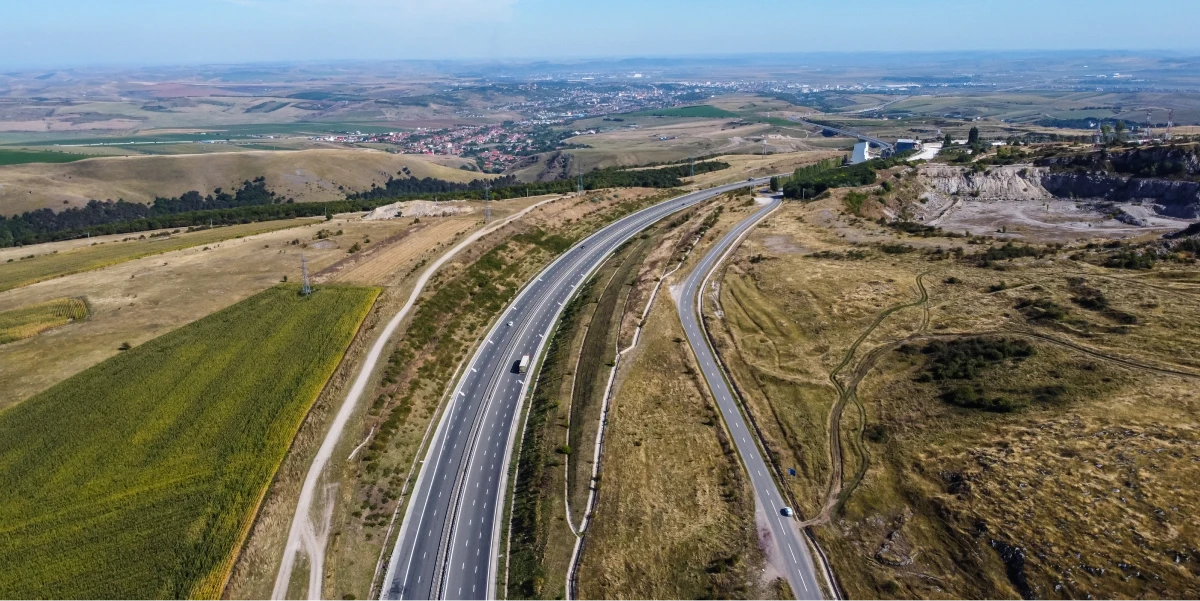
449	538
789	541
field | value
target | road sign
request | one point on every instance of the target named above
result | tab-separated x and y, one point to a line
791	471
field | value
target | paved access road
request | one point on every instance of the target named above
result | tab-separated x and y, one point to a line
787	537
449	539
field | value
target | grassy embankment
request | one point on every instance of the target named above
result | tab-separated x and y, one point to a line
1022	432
15	273
140	477
26	322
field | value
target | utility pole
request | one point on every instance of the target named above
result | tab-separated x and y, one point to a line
692	165
487	202
579	170
305	286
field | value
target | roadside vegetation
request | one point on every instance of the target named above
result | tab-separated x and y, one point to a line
26	322
809	182
140	477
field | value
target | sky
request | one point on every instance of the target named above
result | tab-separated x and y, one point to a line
66	33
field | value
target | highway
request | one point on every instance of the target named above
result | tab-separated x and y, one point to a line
848	133
789	541
449	537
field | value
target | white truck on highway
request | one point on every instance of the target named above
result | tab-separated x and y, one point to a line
523	366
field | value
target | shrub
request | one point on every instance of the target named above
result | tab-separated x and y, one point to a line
854	202
1041	309
964	358
896	249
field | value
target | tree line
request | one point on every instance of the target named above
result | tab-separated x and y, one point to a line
811	180
108	217
253	202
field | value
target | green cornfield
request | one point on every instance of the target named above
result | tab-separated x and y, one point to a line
140	477
26	322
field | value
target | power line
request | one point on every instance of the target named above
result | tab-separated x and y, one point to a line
487	202
305	286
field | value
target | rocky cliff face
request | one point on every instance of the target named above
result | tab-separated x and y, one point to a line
1012	182
1167	162
1170	197
1173	198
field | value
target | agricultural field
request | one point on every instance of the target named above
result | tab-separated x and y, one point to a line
137	300
969	417
45	262
18	157
305	175
140	476
19	324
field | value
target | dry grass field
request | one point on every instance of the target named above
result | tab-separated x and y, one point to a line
306	175
388	259
1025	427
32	264
676	515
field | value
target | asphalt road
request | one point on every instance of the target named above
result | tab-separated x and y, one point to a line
789	541
449	538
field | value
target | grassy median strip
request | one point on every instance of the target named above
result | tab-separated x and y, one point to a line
139	477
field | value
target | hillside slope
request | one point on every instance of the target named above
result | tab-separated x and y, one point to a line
306	175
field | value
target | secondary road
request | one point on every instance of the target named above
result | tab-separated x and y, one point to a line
449	538
786	535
